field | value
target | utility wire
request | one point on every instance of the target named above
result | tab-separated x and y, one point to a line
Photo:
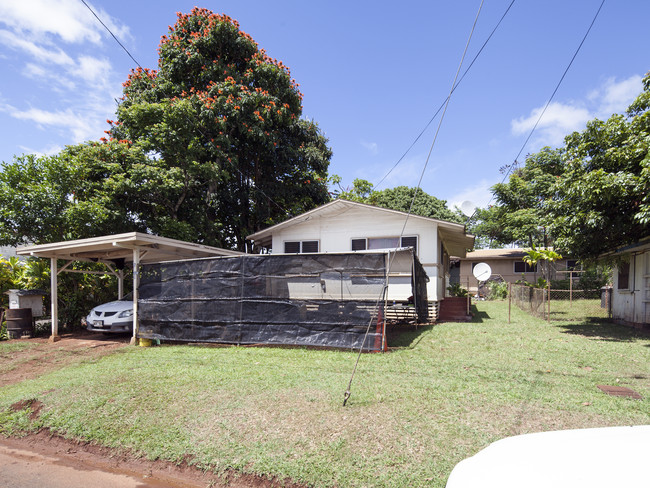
109	31
445	101
348	392
548	103
255	188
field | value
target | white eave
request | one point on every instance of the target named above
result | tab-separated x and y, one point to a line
120	246
456	240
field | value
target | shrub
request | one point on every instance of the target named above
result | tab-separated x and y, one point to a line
455	290
497	290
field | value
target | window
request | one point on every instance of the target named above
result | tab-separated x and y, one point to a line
385	243
572	265
522	267
358	244
624	276
295	247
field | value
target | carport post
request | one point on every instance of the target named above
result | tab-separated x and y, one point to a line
120	284
136	282
54	298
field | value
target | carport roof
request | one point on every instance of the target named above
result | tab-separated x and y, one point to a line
120	246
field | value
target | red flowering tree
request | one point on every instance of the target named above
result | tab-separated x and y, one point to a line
220	121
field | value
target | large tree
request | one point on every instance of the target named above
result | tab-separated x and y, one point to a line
84	191
602	200
221	123
519	213
586	198
209	148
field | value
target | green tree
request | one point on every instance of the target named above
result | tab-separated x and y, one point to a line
519	216
85	191
542	256
603	199
220	121
399	198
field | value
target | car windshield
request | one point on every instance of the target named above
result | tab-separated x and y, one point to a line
128	297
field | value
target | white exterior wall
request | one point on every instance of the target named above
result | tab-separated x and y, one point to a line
335	234
633	305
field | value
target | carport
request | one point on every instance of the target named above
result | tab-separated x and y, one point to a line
115	252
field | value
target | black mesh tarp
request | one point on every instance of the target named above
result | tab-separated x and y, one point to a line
304	299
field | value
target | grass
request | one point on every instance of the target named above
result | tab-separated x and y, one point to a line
442	394
8	349
577	309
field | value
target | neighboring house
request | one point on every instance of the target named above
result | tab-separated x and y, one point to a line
631	289
510	266
7	251
343	226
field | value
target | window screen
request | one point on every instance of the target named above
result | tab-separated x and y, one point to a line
358	244
572	265
295	247
624	276
383	242
309	246
292	247
522	267
411	241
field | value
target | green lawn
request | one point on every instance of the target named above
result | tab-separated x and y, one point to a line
445	393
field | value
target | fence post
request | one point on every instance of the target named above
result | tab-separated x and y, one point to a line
571	287
469	296
509	300
548	316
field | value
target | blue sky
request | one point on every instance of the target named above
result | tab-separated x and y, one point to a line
373	73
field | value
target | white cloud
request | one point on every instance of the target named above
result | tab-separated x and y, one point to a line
56	42
68	19
75	122
479	195
46	151
53	79
45	55
372	147
560	119
92	69
615	97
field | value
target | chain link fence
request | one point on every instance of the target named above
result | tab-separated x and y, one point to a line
564	305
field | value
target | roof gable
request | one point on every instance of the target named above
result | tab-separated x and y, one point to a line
452	233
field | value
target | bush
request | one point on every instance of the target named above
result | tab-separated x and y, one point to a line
455	290
497	290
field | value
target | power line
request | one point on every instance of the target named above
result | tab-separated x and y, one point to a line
575	54
445	101
347	393
109	31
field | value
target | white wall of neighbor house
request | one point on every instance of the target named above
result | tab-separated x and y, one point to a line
7	251
335	233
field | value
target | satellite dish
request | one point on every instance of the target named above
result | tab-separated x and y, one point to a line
482	271
467	208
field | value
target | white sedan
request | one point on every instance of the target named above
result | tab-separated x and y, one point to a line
114	316
594	458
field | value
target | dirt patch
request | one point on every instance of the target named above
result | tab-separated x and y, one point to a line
44	356
32	404
85	455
